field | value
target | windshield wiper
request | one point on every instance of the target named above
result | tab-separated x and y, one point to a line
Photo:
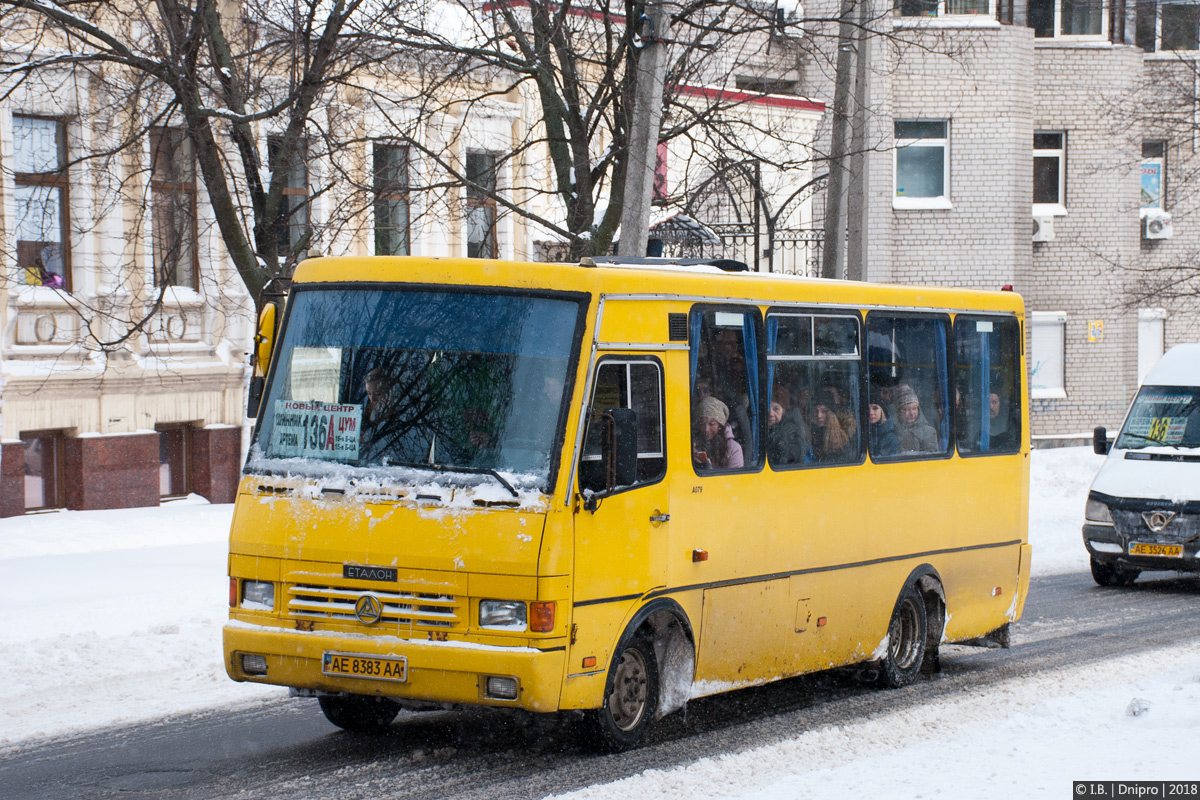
464	470
1146	439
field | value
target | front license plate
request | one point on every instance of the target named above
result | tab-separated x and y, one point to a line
1145	549
358	665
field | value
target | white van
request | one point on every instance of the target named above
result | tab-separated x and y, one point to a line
1143	511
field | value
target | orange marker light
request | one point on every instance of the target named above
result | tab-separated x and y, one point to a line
699	555
588	662
233	598
541	617
821	622
996	592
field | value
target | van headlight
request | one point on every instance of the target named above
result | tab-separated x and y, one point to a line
506	614
258	595
1097	513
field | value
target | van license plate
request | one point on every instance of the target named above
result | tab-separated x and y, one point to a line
359	665
1145	549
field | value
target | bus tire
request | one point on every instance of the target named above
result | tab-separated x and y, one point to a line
630	697
1107	574
360	713
907	632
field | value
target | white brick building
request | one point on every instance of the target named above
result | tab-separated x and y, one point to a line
991	117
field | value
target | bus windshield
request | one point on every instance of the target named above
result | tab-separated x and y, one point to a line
379	378
1162	415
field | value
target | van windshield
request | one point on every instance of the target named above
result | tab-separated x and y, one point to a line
1162	416
373	379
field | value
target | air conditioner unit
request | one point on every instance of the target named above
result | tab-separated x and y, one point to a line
1156	224
1043	229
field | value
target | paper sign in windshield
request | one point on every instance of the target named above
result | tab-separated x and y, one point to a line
310	429
1168	430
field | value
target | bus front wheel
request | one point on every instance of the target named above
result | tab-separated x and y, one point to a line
907	633
630	697
361	713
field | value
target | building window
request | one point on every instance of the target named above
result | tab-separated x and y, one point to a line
1154	174
922	170
1047	350
40	182
1168	26
174	460
43	469
1049	172
1051	18
173	204
481	205
940	8
291	223
391	200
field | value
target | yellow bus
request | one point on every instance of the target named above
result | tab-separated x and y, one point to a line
614	487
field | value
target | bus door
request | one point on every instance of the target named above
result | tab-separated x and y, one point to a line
620	533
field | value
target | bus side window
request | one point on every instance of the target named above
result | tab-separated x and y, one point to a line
633	384
909	383
726	389
987	387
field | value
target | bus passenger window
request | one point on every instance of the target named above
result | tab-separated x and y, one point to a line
626	384
813	372
725	389
986	385
908	386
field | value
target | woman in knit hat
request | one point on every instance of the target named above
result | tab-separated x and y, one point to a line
881	434
713	445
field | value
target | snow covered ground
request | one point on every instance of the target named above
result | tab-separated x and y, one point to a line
115	616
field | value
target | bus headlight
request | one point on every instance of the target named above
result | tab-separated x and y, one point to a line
258	595
1097	513
506	614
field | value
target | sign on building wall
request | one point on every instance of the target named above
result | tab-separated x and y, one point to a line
1095	330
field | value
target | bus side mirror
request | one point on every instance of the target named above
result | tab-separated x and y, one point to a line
620	447
1100	441
264	344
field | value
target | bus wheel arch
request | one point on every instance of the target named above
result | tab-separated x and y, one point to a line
650	675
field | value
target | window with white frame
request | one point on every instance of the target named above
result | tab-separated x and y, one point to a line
1049	172
1047	354
1154	174
922	167
1055	18
173	206
291	223
1168	25
939	8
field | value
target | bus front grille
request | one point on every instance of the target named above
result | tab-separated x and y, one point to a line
416	609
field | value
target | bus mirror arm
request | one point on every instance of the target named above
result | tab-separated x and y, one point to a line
1100	441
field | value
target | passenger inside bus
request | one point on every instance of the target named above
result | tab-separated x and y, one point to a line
830	442
786	443
713	445
914	433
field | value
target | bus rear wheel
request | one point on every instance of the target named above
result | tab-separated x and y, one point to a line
907	633
630	697
360	713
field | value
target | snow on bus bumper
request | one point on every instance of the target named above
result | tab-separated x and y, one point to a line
406	669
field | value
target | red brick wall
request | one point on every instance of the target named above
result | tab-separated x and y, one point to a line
12	479
110	471
216	463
